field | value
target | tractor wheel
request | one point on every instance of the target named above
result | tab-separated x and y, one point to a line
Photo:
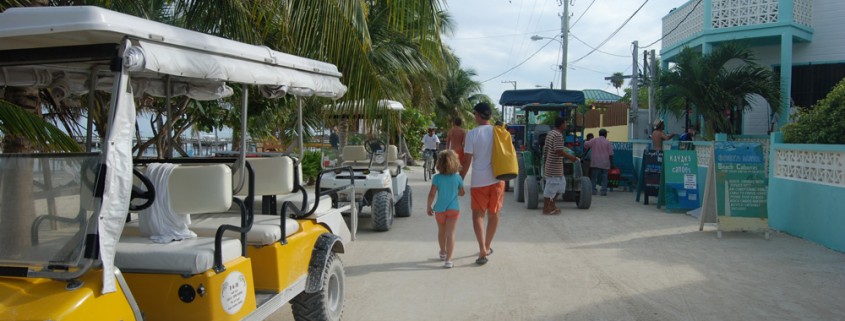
403	207
532	192
519	182
583	201
327	304
382	211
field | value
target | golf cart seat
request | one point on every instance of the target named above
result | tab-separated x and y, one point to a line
353	155
191	190
273	176
393	162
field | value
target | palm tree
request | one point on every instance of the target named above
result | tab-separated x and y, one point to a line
459	95
718	86
617	80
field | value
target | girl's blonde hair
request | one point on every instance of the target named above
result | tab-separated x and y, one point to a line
447	162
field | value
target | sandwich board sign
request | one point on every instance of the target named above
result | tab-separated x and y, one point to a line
680	180
650	171
736	188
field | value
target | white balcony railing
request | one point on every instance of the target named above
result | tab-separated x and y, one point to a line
683	23
688	21
821	167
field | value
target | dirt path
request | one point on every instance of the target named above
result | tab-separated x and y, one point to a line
619	260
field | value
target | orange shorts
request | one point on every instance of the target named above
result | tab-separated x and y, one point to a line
460	155
441	217
488	198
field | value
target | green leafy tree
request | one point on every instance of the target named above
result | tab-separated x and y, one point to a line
717	86
617	80
823	123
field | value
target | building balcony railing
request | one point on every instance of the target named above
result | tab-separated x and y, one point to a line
696	16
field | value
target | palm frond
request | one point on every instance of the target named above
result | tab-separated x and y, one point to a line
16	121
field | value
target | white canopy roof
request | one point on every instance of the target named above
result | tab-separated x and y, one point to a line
161	49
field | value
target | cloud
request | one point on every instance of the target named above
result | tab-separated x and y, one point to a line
492	36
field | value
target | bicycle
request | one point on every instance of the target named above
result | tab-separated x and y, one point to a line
428	164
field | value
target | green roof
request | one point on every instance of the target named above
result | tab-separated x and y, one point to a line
600	96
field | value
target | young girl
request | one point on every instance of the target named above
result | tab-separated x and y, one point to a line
447	185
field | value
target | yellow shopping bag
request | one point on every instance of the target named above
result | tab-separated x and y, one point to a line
505	166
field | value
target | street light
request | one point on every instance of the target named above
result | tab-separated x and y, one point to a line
563	44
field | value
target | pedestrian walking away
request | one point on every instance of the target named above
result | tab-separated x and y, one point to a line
554	151
447	186
486	191
456	138
601	160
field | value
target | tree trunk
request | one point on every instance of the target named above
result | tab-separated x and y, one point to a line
18	208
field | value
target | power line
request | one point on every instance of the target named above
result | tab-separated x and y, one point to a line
612	34
596	49
520	64
676	26
582	15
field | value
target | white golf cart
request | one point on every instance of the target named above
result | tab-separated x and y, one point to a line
68	252
380	180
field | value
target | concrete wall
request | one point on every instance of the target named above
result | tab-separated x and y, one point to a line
806	189
614	133
827	45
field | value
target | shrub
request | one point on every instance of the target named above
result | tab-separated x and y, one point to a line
310	166
824	124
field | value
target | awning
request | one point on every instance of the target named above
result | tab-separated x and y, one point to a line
524	97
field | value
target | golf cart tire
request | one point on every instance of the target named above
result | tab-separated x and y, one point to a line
532	192
326	304
382	211
519	182
586	198
403	207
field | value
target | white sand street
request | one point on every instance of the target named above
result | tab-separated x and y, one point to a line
619	260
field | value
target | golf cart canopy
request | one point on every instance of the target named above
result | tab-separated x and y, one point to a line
75	50
358	107
85	36
541	99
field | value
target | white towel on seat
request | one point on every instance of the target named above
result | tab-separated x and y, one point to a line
159	221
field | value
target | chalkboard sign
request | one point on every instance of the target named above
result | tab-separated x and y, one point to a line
651	169
741	186
680	168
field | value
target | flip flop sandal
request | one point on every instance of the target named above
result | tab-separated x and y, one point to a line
481	261
490	251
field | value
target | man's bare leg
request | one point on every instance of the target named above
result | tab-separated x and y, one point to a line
478	227
492	225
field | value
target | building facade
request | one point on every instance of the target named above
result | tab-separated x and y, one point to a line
805	35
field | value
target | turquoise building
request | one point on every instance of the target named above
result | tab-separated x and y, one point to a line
804	35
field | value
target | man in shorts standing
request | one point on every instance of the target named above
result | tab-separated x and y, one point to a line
554	152
486	191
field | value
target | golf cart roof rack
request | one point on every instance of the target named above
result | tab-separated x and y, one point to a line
548	98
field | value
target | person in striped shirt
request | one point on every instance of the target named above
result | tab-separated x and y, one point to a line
555	151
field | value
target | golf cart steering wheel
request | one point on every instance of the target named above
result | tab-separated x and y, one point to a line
372	145
148	193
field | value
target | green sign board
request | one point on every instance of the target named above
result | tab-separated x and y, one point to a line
741	184
680	179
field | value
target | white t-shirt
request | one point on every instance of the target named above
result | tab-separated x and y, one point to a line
430	141
479	143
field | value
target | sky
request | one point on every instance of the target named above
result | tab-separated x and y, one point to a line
493	36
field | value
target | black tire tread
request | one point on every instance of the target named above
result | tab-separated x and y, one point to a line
382	208
311	306
403	207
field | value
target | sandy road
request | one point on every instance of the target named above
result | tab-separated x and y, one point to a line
619	260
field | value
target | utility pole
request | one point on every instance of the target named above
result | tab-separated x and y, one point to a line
634	88
512	82
564	42
652	79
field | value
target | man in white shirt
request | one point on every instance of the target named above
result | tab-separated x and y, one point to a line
430	143
487	191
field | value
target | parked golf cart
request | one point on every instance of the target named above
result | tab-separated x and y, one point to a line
380	180
72	254
564	103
